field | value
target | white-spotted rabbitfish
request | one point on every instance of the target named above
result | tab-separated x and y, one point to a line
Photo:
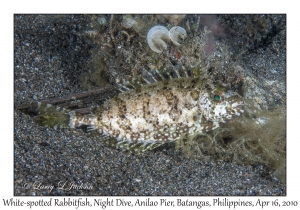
153	109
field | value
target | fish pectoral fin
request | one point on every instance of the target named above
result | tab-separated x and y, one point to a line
87	128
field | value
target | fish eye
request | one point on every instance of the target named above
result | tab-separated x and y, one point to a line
217	98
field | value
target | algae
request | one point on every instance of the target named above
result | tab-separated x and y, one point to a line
258	137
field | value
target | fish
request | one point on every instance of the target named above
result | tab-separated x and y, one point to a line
152	109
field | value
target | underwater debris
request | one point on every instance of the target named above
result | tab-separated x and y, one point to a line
158	34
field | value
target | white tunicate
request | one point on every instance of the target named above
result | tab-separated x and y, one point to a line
101	20
175	33
155	38
158	34
128	22
174	19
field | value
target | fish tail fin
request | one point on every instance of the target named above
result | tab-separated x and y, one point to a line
58	117
48	115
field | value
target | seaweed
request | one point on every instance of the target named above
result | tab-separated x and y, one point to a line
258	137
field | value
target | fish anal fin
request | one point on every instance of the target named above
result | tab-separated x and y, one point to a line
137	148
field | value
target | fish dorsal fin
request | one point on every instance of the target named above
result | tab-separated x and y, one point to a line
170	73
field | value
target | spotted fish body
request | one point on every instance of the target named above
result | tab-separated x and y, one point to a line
166	110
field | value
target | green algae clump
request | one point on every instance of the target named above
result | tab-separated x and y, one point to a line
258	137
